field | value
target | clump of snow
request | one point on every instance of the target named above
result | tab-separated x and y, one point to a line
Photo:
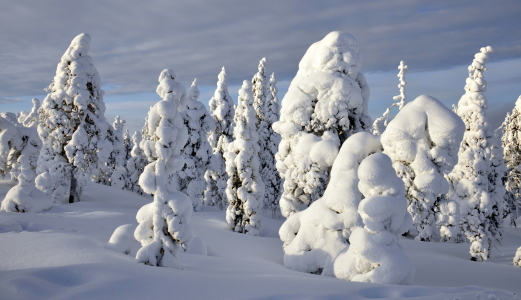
374	254
314	237
517	258
328	96
123	241
422	141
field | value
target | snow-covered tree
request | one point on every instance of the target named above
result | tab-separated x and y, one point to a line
168	231
10	148
476	181
135	165
128	145
315	236
30	119
72	122
222	108
116	162
269	173
374	254
326	101
423	141
197	152
511	140
23	197
517	258
245	187
381	122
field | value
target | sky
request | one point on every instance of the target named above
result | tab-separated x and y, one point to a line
133	40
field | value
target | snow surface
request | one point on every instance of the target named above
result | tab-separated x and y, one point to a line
61	254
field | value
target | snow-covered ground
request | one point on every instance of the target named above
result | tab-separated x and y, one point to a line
61	254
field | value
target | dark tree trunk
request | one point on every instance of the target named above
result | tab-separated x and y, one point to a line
73	195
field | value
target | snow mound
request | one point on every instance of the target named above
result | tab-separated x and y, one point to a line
374	254
313	237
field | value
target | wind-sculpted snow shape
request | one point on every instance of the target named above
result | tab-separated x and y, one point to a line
314	237
423	142
327	99
168	231
374	254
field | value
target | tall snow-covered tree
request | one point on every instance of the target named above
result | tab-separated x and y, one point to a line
71	123
476	181
135	165
381	122
197	152
326	101
117	160
269	173
128	145
423	141
245	187
511	141
222	108
168	231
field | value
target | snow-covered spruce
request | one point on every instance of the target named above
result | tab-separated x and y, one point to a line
10	147
23	145
476	181
71	122
245	187
314	237
423	142
511	140
128	145
326	101
168	231
117	160
269	173
135	165
381	123
517	258
197	152
222	108
374	254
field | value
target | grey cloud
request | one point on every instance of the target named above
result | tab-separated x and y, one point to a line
9	100
132	41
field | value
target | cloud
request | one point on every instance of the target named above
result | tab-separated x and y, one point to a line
132	40
4	100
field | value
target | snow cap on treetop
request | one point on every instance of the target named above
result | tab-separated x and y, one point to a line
79	46
337	52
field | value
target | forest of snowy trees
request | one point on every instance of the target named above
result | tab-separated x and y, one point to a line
346	187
